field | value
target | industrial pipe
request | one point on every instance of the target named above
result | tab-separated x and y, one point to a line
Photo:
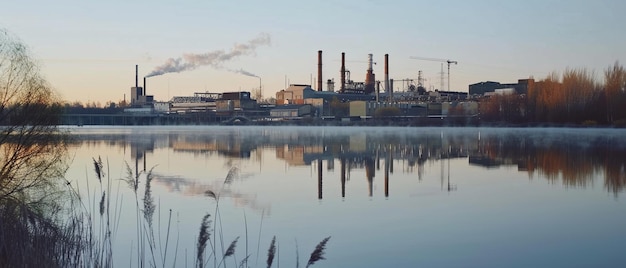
319	70
343	72
387	85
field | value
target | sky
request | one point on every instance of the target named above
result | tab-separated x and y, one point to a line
88	50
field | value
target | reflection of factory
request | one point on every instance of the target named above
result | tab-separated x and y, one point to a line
230	147
570	160
344	153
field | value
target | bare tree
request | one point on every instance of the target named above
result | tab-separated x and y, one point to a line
615	86
32	148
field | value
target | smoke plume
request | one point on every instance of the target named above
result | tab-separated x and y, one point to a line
214	58
244	72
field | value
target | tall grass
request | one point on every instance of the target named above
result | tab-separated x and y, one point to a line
316	255
84	232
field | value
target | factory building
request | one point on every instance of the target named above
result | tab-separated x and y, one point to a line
292	111
294	94
231	102
366	109
298	94
138	96
521	87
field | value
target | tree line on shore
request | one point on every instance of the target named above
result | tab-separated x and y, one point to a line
575	97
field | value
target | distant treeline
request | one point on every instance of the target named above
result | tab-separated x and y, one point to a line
576	97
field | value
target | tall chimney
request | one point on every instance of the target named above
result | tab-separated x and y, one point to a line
369	77
136	76
387	85
319	70
343	72
144	86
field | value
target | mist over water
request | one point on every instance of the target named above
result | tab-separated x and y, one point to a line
405	197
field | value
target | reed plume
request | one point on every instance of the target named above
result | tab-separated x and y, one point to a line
102	206
232	174
318	253
131	180
210	194
243	262
231	249
203	237
97	166
148	201
297	255
271	252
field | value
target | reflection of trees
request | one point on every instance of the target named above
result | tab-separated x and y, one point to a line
614	170
576	160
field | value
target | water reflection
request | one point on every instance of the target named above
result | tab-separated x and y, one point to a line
573	157
189	187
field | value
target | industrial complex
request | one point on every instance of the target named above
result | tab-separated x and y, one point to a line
352	100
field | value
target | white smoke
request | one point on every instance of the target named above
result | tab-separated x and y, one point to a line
244	72
214	58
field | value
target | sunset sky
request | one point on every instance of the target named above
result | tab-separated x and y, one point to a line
88	49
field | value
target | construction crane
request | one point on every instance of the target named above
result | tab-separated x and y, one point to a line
438	60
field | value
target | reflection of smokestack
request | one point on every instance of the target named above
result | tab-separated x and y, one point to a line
369	173
319	179
387	86
343	72
319	70
387	160
343	177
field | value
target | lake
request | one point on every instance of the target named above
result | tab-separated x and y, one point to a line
387	196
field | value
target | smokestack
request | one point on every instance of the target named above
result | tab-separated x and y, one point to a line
369	77
136	76
144	86
387	86
343	72
319	70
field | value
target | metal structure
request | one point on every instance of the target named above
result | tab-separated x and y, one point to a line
438	60
349	86
343	72
387	86
420	79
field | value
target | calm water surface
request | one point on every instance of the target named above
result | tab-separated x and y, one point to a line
388	197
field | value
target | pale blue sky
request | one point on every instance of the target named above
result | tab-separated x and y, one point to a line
88	49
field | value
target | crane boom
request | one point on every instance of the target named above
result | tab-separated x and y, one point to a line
439	60
434	59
